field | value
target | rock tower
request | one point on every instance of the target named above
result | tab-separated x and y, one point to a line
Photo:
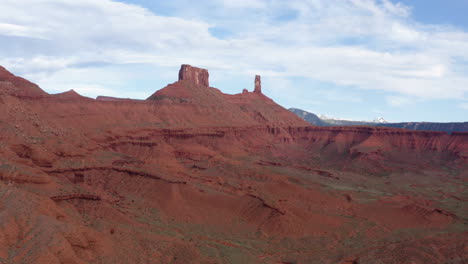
196	75
258	84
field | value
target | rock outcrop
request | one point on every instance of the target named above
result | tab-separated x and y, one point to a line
17	86
258	84
71	94
5	75
196	75
126	182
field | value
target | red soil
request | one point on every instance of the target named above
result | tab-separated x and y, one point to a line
192	175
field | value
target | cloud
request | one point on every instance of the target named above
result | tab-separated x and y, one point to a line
364	44
244	3
398	101
463	106
397	9
20	30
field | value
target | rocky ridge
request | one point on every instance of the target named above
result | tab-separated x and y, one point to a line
192	175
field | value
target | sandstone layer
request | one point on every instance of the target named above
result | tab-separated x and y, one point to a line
193	175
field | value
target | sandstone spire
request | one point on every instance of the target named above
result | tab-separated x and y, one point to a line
193	74
258	84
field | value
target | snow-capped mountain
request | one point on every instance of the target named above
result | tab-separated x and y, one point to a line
323	120
380	120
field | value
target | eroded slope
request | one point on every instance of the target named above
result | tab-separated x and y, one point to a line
192	175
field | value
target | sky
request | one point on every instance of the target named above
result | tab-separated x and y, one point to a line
404	60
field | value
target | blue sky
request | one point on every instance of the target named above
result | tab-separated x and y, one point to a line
404	60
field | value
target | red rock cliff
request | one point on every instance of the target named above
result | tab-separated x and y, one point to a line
125	182
196	75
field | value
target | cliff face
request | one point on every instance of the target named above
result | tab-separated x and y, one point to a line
197	76
192	175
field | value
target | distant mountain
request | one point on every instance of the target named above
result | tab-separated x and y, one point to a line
431	126
309	117
380	120
334	119
321	120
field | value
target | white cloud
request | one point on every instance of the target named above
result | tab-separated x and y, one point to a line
367	44
244	3
464	106
397	9
97	81
20	30
398	101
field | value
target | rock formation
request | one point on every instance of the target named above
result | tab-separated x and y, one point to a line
71	94
193	175
258	84
245	91
4	74
17	86
196	75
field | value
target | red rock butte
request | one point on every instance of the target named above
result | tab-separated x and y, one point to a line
193	175
196	75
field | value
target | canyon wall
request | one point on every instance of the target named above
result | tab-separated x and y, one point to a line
192	175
